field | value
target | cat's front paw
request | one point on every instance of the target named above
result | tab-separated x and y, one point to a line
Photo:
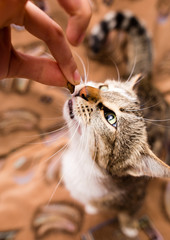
91	209
129	226
130	232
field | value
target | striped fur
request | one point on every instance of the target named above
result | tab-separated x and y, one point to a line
140	50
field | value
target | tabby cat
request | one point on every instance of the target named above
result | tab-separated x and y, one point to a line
109	161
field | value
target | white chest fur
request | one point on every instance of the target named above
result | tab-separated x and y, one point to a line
81	175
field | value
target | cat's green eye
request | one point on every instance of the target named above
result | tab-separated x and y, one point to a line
111	118
103	88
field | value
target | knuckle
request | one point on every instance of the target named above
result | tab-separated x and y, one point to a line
59	32
54	33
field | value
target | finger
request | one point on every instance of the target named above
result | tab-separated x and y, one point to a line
11	11
43	27
80	12
40	69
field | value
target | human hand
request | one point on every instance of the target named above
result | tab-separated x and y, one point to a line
47	71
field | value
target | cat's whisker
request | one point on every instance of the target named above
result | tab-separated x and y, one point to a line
61	149
81	80
145	103
150	100
149	107
87	137
83	65
82	140
82	146
133	69
92	167
48	141
154	122
54	191
94	158
157	120
36	139
52	118
46	160
68	141
55	138
57	151
65	144
117	69
48	133
140	79
88	69
65	127
53	165
142	109
159	125
54	131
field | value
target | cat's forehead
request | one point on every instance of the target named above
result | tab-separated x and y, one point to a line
115	90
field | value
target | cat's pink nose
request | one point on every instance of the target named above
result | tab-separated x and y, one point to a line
90	94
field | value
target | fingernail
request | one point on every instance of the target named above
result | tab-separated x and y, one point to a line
76	77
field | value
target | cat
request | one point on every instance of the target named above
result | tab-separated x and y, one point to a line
109	161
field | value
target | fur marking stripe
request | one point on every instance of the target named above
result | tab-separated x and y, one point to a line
120	17
104	26
119	20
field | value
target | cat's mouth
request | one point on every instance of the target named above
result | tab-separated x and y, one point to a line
70	106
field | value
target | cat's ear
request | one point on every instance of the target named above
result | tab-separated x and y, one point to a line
150	165
134	80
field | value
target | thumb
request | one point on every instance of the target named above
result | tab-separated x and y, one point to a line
40	69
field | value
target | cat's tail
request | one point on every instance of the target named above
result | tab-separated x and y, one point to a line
140	50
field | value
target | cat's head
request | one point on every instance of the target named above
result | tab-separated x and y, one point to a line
107	117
